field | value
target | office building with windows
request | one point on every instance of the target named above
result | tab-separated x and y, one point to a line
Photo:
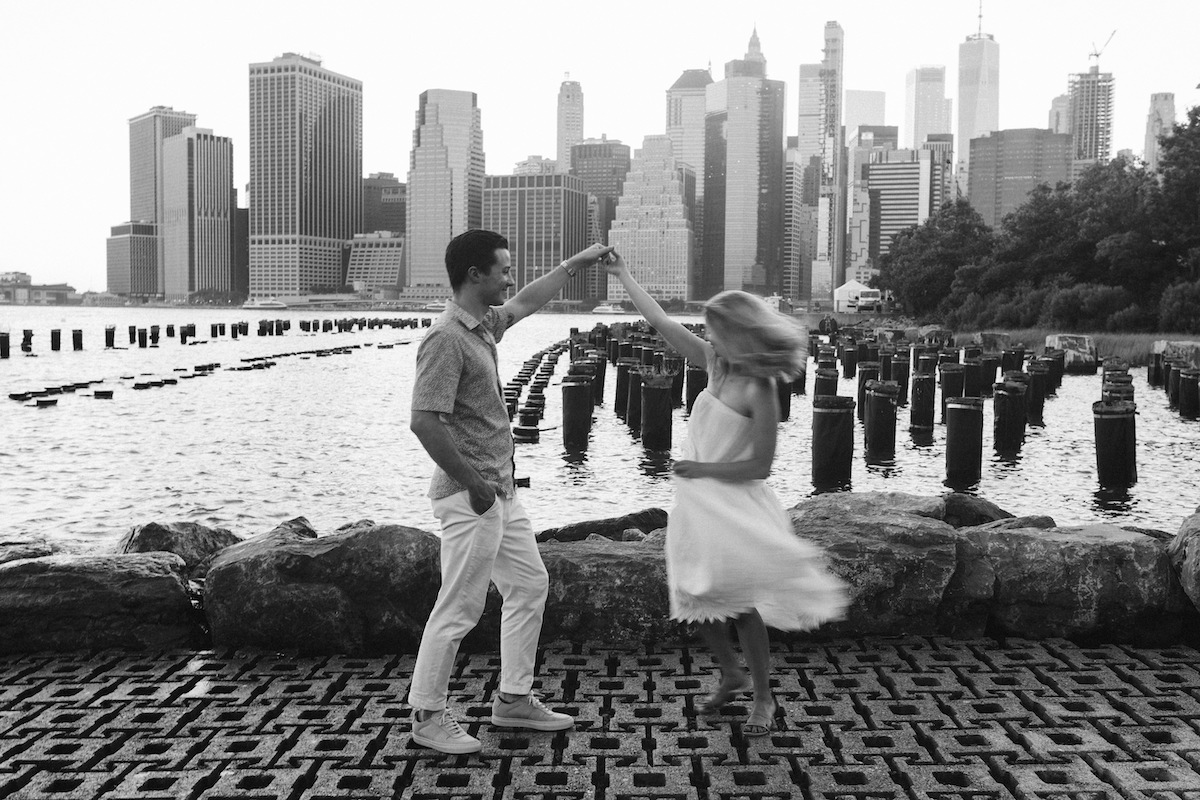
978	95
926	109
385	201
147	132
377	263
198	204
743	179
1091	95
570	122
445	182
545	219
1160	121
1009	164
305	175
653	229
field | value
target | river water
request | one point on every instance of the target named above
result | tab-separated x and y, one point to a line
328	437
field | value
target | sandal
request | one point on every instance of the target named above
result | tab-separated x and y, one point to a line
723	694
766	725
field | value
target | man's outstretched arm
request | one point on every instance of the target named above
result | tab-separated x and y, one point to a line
544	289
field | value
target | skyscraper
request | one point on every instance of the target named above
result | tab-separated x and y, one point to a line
926	109
978	95
902	190
800	190
305	175
685	128
544	218
863	108
147	132
743	179
602	165
1160	120
653	229
868	144
198	203
1011	163
570	122
941	146
1091	114
445	181
829	270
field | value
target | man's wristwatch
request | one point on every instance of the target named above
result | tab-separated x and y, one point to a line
564	266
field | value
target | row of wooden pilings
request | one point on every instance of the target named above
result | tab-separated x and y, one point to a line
151	335
1180	379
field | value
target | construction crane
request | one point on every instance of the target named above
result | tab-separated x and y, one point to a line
1096	53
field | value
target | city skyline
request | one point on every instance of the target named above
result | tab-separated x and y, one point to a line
517	85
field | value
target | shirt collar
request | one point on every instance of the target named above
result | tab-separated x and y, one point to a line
456	312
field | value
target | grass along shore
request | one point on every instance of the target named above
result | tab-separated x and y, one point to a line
1133	348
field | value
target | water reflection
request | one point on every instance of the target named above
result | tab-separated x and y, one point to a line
655	463
921	438
1113	502
883	467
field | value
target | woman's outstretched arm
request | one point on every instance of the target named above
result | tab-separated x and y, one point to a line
691	346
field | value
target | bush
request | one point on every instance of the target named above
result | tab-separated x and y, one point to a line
1086	306
1179	309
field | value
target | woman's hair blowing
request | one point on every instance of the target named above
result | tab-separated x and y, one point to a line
774	345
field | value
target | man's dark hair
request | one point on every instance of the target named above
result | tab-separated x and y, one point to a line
474	248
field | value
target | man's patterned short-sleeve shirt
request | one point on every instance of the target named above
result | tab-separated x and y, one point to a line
458	378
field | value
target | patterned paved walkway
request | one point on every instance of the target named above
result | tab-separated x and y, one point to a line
860	720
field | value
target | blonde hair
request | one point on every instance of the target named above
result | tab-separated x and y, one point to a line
775	346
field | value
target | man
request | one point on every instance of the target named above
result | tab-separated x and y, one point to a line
460	417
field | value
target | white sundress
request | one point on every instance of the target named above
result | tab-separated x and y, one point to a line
730	546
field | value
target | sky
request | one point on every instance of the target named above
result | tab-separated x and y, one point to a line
75	72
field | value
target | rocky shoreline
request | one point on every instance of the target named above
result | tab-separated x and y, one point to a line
951	565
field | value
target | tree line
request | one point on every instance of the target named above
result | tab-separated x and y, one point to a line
1116	250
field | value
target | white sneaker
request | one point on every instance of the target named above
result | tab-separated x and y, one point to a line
528	712
442	732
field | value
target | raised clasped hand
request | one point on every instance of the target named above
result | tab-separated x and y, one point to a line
613	263
592	255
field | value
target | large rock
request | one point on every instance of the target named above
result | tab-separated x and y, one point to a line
1185	556
648	520
893	550
14	548
365	590
601	590
1089	584
75	602
966	511
192	542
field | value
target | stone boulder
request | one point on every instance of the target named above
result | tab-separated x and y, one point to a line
895	553
192	542
1184	550
648	520
967	511
1088	584
13	548
364	590
137	601
602	590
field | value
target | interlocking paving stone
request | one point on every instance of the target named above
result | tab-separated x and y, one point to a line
919	718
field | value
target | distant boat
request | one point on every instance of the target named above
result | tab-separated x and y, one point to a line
437	306
608	308
260	303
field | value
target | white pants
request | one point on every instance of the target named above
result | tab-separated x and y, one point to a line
498	546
